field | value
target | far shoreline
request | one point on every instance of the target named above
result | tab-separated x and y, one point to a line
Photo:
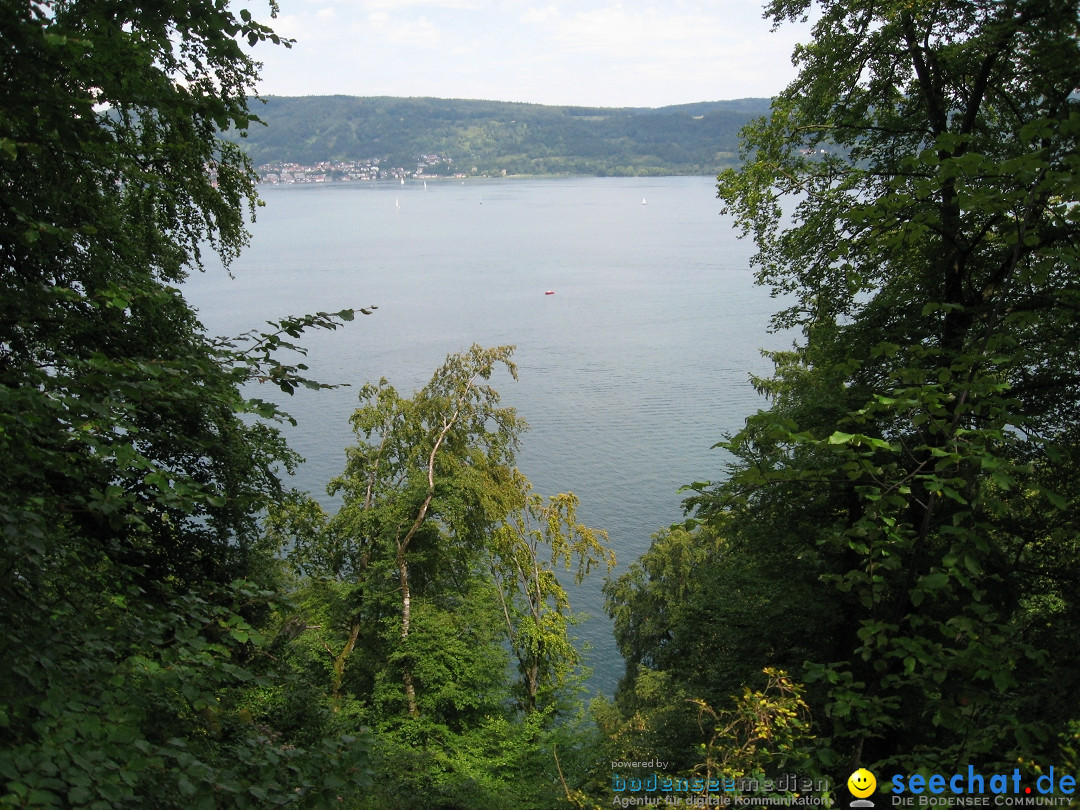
479	177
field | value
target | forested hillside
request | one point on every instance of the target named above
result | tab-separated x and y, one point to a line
491	137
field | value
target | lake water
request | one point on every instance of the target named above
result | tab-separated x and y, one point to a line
629	373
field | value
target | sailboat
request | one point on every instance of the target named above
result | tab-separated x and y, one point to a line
397	205
643	201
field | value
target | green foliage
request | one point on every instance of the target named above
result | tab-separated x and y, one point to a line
896	529
915	194
699	615
494	137
421	489
526	552
766	732
149	704
762	734
439	564
133	580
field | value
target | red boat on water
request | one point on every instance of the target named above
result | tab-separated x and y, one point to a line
549	292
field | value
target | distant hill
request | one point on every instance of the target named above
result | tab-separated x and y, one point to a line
492	137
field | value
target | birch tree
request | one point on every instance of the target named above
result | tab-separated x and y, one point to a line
528	550
422	488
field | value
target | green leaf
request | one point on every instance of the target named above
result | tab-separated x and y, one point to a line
79	795
934	581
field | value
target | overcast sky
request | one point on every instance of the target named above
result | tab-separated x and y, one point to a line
636	53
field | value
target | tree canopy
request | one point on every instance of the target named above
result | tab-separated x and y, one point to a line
133	582
914	197
440	566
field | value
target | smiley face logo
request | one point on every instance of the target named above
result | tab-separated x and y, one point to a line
861	783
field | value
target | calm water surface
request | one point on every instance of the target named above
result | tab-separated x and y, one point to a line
629	373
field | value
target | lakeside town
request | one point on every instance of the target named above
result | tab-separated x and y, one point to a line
346	171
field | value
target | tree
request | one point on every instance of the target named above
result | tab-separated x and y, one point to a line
697	618
527	550
766	731
131	488
915	194
421	488
431	497
439	561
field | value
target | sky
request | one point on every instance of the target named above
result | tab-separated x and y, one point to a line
605	53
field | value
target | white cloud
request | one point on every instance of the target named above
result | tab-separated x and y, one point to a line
536	16
421	30
624	34
595	52
287	25
400	5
